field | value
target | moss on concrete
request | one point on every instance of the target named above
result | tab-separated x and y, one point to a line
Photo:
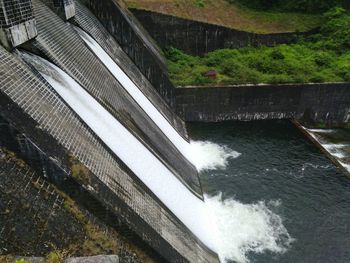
79	171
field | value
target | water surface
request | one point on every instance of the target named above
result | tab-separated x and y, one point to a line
281	168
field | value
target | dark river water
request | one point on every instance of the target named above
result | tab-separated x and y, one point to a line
278	165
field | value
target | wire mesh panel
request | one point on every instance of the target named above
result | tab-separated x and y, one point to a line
64	8
90	24
136	42
62	45
17	24
115	185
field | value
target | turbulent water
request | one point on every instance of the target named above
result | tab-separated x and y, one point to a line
279	200
271	195
179	199
138	158
204	155
336	142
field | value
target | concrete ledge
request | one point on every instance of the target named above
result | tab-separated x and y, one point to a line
136	43
94	259
16	35
309	136
69	10
328	103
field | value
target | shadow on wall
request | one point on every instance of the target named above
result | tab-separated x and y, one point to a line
198	38
320	103
136	42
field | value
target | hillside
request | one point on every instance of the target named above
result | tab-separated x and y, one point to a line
232	15
323	57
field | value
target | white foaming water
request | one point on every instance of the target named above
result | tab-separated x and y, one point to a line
246	228
186	206
335	146
242	228
208	155
203	155
334	149
321	130
346	166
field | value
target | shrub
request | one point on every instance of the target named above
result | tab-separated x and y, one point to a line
307	6
323	57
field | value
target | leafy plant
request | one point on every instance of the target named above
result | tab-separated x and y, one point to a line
323	57
307	6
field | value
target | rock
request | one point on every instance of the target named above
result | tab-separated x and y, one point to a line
96	259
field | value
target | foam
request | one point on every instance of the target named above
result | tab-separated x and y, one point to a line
151	171
321	130
346	166
208	156
196	152
246	228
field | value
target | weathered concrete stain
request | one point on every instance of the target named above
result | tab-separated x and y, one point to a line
17	23
198	38
327	103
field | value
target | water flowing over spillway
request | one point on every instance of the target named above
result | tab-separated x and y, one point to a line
228	227
231	239
193	151
335	142
151	171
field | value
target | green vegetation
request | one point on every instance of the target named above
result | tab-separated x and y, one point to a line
323	57
11	157
308	6
200	3
79	171
56	257
96	242
232	15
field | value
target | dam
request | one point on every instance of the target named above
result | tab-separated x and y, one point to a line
71	98
96	157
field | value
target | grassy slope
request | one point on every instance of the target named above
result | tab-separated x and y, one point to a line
220	12
324	57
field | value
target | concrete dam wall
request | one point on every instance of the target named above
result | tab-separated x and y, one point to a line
198	38
49	131
325	103
91	148
136	43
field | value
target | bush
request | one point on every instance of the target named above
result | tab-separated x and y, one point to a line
323	57
307	6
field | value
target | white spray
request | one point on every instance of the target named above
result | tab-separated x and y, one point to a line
219	155
239	228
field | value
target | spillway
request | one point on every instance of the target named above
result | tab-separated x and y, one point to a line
194	151
138	96
148	168
62	45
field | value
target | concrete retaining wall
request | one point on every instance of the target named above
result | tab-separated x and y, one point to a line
59	42
53	132
90	24
198	38
136	42
329	103
17	23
